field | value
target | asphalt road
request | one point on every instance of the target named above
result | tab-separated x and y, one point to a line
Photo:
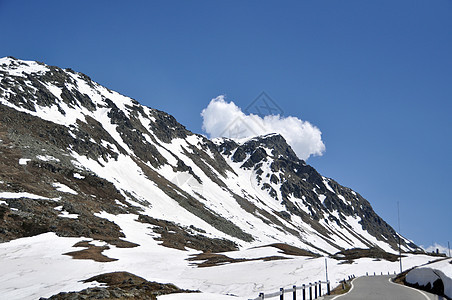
380	288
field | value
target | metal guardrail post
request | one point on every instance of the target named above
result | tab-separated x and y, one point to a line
317	293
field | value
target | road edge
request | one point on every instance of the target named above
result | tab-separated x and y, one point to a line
351	289
409	287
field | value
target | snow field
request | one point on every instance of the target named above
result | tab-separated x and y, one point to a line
35	267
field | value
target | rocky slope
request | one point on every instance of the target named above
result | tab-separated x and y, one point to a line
73	151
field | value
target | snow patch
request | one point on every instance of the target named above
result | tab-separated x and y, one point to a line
63	188
65	214
9	195
78	176
24	161
327	185
342	198
47	158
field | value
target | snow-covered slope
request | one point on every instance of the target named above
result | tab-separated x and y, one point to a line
254	192
75	155
34	267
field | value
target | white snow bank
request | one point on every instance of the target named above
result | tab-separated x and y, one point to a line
432	272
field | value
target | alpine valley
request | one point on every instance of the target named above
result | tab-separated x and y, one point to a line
101	197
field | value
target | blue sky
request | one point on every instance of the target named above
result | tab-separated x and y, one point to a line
374	76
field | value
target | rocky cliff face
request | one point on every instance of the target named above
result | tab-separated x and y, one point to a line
72	150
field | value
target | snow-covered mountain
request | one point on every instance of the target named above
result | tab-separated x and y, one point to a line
77	158
90	149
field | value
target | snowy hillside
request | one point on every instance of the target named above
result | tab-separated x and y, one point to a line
81	163
34	267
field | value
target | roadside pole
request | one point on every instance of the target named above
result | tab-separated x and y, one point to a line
326	269
400	247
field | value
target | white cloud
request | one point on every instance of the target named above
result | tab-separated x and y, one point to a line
225	119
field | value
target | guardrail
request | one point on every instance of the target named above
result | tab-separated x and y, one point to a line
307	290
375	273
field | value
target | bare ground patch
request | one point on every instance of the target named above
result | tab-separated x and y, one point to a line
175	236
291	250
92	252
203	260
351	254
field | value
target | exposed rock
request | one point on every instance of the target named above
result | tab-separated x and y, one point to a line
175	236
121	285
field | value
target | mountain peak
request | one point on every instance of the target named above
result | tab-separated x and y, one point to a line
19	67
